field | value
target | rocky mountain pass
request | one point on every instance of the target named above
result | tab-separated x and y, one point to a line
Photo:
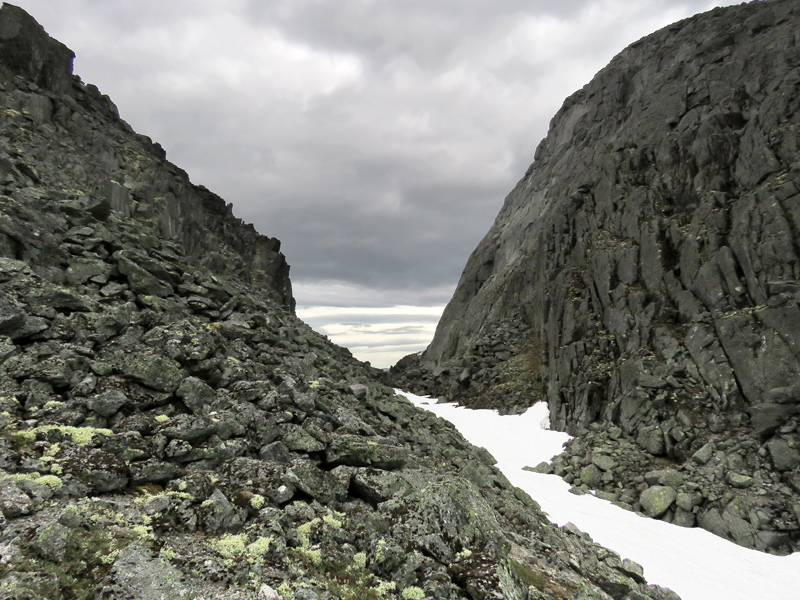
169	429
642	279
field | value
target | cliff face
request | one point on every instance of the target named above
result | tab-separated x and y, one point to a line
67	139
643	275
169	429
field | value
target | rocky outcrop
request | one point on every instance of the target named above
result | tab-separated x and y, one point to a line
54	124
644	274
169	429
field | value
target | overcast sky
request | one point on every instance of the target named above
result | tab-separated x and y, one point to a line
375	139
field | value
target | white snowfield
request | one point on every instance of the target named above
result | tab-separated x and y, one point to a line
692	562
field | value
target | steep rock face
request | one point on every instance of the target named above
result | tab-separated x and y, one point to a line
169	429
644	272
53	123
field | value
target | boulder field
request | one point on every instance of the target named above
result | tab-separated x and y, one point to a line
169	429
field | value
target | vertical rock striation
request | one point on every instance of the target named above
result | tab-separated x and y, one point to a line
643	275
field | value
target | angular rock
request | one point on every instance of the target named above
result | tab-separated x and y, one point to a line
198	396
657	499
107	403
785	456
154	371
358	451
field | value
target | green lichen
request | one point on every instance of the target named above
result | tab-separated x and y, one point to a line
385	587
80	436
50	481
258	548
412	593
257	502
304	532
162	418
360	561
314	555
332	520
230	545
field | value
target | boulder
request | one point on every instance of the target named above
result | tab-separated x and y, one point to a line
657	499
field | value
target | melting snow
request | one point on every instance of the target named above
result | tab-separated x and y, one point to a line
693	562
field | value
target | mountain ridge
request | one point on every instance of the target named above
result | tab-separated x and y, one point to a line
169	429
642	279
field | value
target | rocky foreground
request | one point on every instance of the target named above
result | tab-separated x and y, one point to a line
170	430
643	278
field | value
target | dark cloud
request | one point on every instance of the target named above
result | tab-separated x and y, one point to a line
377	140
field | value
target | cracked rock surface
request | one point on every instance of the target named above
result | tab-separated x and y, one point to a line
643	279
170	430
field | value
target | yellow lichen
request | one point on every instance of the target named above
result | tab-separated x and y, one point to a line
332	520
257	502
50	481
413	593
259	548
304	532
230	545
162	418
384	587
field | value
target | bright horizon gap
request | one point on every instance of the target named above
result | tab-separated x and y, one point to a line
316	311
373	333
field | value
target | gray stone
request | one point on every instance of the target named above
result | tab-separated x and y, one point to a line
784	454
767	418
783	395
154	371
684	518
196	394
140	281
297	438
603	462
276	452
738	480
136	572
657	499
107	403
704	454
51	541
358	451
687	500
310	479
591	475
651	439
218	515
359	390
13	501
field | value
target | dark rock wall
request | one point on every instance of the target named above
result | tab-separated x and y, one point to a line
647	262
130	172
169	430
655	234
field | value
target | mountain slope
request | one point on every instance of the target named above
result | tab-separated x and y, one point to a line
169	429
643	278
